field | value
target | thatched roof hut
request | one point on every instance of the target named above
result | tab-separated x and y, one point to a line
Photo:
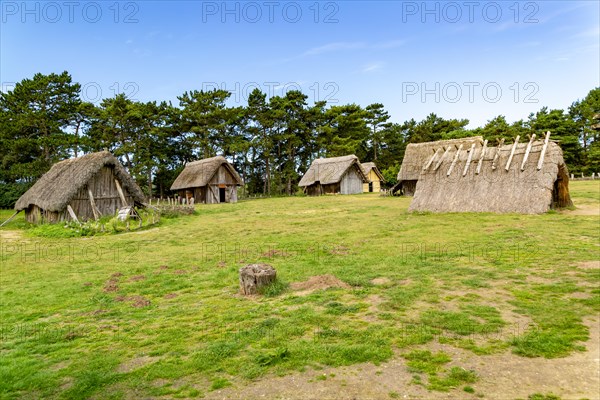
80	188
374	176
343	175
527	178
212	180
417	154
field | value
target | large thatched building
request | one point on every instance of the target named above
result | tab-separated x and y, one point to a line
212	180
417	154
374	176
527	178
80	188
343	175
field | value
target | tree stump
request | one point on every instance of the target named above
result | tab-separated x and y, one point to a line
255	276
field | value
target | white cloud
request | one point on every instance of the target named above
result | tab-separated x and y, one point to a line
331	47
373	67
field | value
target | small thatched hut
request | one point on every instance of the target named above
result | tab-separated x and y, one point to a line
528	178
374	176
334	175
415	157
212	180
80	188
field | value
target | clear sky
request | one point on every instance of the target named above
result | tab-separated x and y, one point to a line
464	59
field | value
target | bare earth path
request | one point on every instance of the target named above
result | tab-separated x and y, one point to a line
502	376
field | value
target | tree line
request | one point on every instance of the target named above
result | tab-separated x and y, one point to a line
270	141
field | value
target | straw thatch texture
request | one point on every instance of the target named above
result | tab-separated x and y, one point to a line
370	166
528	191
418	154
199	173
55	189
330	170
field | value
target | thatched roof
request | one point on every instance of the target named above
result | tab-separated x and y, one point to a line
199	173
54	190
331	170
370	166
418	154
521	189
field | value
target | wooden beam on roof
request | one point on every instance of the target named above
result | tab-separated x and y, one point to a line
483	150
497	155
526	156
455	159
543	153
469	158
437	165
512	153
426	167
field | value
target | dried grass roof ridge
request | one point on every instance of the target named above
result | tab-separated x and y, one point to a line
330	170
199	173
55	189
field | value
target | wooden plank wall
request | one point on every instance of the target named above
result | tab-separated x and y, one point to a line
351	182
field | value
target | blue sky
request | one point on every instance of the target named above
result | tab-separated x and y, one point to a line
464	59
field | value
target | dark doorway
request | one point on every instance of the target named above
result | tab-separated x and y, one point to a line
221	195
370	187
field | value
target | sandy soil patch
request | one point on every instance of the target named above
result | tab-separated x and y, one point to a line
318	282
502	376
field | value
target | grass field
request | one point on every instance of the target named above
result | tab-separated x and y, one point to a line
157	314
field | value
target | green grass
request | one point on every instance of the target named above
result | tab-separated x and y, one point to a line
174	325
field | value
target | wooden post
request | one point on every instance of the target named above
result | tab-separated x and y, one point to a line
255	276
8	220
469	159
93	203
483	149
455	159
121	195
543	153
526	156
437	165
72	213
426	167
512	153
497	155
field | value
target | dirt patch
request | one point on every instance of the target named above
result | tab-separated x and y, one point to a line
583	209
318	282
170	295
381	281
589	264
116	275
135	363
581	295
180	272
111	285
135	301
502	376
163	267
137	278
87	284
221	264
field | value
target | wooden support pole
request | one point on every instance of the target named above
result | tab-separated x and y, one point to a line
483	150
497	155
541	160
426	167
121	195
437	165
526	156
455	159
93	203
72	213
469	158
10	219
